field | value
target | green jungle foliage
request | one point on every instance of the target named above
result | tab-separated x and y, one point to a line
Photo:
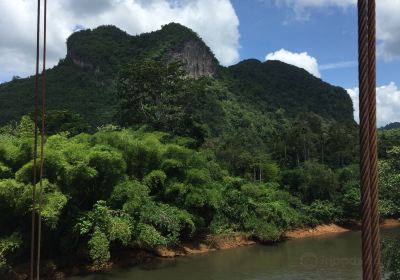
391	258
130	188
389	175
387	140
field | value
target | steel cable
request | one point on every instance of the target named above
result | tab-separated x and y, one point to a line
368	139
364	139
374	188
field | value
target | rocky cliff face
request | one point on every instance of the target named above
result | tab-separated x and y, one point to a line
197	59
107	47
80	62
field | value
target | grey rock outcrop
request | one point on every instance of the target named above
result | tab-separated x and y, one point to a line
197	59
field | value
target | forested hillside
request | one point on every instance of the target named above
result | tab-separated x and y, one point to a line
273	85
82	81
150	143
393	125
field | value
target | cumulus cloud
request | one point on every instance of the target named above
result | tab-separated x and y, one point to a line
388	103
388	20
214	20
388	28
302	60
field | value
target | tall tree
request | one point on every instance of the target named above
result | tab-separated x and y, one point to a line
150	92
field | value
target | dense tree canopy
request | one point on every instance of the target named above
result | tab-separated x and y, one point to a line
124	188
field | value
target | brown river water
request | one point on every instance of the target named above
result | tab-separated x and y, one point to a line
329	257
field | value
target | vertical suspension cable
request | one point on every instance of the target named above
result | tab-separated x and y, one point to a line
36	101
374	189
42	140
364	139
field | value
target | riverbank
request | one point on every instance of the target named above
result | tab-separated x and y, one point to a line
335	229
336	255
225	242
316	231
391	223
211	243
231	241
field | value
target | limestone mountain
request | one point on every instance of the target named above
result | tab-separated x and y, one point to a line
82	82
393	125
107	47
272	85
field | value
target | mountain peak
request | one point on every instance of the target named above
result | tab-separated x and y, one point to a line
275	84
176	27
390	126
106	47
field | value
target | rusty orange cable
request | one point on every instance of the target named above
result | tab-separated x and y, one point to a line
364	139
374	191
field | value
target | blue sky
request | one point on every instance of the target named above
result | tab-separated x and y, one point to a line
329	35
317	35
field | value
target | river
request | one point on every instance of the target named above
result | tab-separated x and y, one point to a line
330	257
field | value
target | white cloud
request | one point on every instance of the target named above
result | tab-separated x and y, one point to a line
308	62
214	20
302	60
388	28
388	103
388	20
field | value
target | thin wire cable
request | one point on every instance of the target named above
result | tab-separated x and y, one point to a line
35	144
42	140
364	139
375	240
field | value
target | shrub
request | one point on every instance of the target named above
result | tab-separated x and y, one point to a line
155	180
8	246
323	211
391	258
172	223
148	236
129	195
99	247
